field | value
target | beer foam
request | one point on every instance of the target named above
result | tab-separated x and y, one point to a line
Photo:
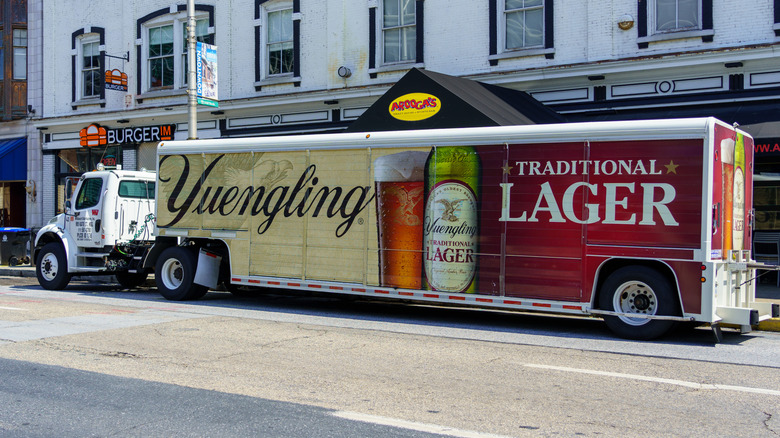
727	150
403	166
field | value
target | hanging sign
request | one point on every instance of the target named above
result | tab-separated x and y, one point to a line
116	80
206	74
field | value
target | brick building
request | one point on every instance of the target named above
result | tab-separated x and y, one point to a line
314	66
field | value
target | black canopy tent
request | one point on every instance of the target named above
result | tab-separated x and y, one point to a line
462	103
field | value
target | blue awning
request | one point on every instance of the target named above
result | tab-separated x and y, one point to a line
13	159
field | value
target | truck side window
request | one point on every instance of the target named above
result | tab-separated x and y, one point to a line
136	189
89	195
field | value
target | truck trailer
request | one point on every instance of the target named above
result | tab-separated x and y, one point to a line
646	224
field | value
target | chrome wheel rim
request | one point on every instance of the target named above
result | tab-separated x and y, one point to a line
635	297
49	266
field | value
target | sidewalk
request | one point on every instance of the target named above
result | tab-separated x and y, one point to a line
764	291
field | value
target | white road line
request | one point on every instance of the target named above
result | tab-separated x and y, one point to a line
10	308
411	425
683	383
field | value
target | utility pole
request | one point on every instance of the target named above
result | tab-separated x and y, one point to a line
192	93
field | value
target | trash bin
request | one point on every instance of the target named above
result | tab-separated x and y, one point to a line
13	246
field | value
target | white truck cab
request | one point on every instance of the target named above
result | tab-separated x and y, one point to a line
105	229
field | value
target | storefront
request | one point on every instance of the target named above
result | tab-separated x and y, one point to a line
70	155
13	179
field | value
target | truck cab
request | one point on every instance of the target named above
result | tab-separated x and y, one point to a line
105	229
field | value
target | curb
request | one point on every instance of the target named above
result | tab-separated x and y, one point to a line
770	325
27	271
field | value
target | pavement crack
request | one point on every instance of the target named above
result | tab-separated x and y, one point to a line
767	422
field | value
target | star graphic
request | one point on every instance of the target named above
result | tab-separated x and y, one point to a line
671	167
507	168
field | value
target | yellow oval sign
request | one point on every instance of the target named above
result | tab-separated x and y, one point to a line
415	106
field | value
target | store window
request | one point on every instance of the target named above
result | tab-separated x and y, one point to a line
72	163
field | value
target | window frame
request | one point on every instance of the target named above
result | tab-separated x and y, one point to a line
263	76
87	34
279	8
83	41
647	32
177	17
376	43
400	27
16	46
504	28
498	29
653	24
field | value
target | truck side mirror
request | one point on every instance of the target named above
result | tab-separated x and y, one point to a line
67	205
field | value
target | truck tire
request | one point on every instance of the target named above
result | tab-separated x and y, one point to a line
131	280
51	267
174	274
641	290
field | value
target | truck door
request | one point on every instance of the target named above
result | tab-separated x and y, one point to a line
84	221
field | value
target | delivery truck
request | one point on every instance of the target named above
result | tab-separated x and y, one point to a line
646	224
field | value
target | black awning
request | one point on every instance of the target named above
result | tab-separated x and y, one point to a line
13	159
461	103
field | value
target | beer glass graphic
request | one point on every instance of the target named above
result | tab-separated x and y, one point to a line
399	210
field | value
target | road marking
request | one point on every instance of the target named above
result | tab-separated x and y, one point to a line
11	308
683	383
412	425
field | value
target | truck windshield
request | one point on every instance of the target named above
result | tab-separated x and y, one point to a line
136	189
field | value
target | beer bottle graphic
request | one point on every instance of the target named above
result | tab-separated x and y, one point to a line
451	220
738	215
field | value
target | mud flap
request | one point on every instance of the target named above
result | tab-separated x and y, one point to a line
207	272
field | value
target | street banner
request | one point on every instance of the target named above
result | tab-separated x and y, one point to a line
206	74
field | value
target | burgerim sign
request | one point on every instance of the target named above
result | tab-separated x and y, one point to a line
415	106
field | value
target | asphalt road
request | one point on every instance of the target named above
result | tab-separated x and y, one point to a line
275	365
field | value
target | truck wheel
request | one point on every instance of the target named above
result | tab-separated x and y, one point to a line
640	290
52	267
130	280
174	274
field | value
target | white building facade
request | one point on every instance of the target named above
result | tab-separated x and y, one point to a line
306	66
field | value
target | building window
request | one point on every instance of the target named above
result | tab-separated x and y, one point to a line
520	28
395	35
163	55
13	60
91	78
399	31
279	42
676	15
523	24
160	57
88	60
20	54
664	20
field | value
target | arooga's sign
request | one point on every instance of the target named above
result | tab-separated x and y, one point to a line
96	135
413	107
